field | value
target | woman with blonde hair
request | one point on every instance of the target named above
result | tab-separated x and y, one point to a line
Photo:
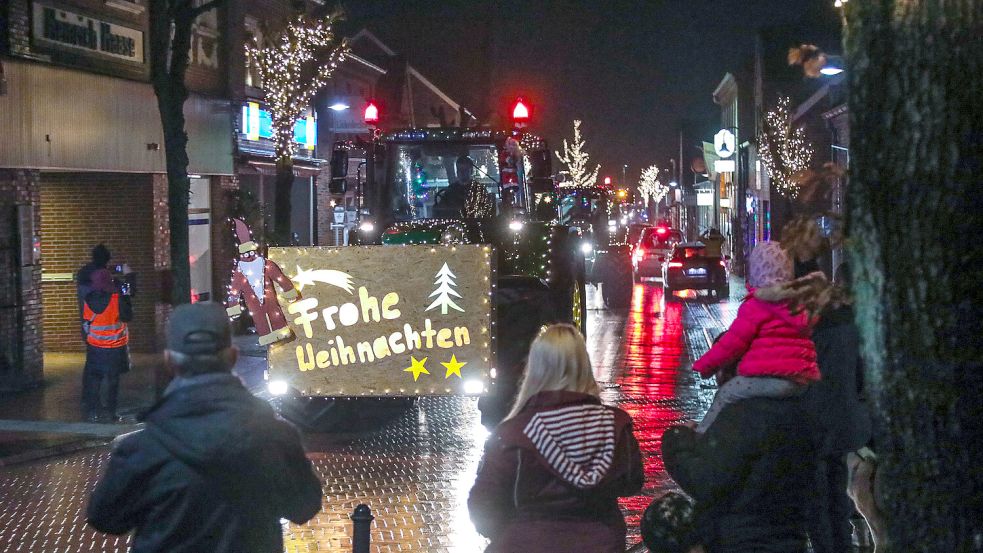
553	470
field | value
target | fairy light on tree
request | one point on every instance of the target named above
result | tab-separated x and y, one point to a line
293	65
577	161
783	149
649	186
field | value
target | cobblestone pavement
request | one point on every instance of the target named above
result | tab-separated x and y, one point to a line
415	473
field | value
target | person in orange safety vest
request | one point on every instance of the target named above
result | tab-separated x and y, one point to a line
105	313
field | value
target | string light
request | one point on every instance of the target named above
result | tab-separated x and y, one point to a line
649	186
577	160
292	67
783	148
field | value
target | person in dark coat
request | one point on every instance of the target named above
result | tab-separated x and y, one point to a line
105	313
214	470
843	419
553	470
750	475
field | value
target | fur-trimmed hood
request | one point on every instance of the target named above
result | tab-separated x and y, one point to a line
809	293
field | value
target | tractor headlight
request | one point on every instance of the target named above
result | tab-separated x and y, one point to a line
586	247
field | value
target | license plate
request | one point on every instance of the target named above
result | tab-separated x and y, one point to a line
696	272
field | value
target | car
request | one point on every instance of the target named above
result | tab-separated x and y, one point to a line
651	250
688	268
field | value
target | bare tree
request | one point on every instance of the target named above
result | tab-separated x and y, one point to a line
577	160
170	42
293	65
916	121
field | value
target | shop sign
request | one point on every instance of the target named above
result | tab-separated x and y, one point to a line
724	166
364	326
724	143
257	123
73	31
704	198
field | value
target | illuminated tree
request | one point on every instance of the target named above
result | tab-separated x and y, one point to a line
783	149
293	65
170	42
649	186
577	160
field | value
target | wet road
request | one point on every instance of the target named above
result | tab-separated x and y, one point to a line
416	472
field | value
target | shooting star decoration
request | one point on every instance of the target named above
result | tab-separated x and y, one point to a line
307	277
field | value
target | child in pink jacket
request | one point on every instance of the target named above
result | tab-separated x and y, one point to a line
770	343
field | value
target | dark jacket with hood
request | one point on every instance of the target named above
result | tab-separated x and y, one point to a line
837	399
750	474
214	470
551	476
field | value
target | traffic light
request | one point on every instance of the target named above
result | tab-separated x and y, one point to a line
607	181
520	112
371	114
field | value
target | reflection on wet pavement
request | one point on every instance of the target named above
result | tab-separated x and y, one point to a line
416	472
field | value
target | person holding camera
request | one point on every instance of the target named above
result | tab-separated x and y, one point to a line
105	311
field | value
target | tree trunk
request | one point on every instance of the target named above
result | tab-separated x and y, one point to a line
169	62
915	221
282	208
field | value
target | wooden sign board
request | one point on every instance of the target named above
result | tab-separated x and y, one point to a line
387	320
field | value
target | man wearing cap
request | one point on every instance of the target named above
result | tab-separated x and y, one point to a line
214	470
105	312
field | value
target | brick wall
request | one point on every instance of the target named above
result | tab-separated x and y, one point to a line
79	210
21	348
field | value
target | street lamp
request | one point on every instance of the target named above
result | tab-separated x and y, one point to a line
674	177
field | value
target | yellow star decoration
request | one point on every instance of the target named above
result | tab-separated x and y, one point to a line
453	367
417	367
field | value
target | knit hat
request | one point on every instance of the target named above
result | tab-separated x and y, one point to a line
668	524
769	264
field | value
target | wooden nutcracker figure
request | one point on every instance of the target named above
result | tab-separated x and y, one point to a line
254	282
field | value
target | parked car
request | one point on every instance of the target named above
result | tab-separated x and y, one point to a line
651	250
688	268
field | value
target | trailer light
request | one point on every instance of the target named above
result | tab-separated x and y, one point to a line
367	226
516	226
278	387
586	247
473	387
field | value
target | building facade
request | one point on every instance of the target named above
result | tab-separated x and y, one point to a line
82	163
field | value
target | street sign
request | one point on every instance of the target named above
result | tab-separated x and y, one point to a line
724	143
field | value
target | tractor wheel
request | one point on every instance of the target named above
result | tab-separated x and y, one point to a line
617	286
522	309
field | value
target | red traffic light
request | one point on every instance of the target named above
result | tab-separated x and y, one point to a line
371	114
607	180
520	112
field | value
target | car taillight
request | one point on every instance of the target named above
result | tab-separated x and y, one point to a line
675	264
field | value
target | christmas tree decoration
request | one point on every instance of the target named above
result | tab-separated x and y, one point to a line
453	367
649	186
783	149
254	282
445	289
293	65
577	161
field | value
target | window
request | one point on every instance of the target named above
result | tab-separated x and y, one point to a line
252	36
423	175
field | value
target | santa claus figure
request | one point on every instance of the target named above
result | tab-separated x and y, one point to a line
254	281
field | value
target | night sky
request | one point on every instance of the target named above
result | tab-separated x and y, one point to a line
634	72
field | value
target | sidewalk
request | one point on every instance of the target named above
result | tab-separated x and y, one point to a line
48	420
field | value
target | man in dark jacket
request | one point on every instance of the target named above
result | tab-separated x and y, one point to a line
214	470
750	474
843	421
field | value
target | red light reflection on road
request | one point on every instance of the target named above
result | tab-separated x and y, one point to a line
650	392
